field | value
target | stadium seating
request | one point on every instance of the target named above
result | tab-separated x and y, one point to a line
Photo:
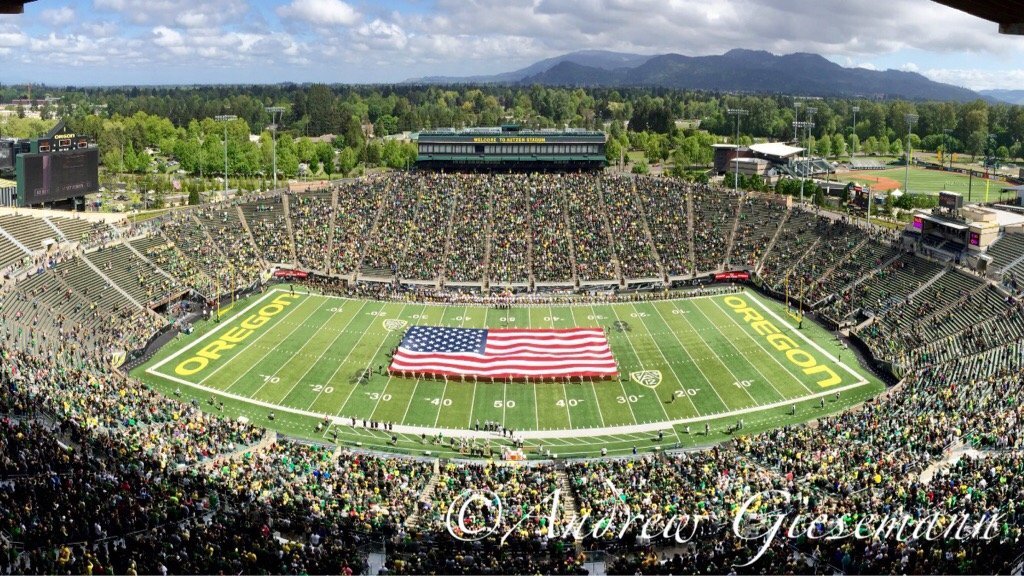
153	483
27	230
312	217
759	220
714	218
266	221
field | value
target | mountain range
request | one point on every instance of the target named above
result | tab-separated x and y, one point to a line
748	71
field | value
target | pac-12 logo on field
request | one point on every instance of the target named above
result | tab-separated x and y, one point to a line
392	324
649	378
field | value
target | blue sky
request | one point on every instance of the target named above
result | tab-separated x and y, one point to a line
90	42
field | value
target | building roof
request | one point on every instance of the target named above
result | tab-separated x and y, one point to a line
1004	12
778	149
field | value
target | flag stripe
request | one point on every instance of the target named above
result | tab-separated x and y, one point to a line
504	353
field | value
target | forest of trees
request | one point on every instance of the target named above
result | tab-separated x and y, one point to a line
178	121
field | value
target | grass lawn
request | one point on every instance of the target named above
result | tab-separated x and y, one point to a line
306	357
924	181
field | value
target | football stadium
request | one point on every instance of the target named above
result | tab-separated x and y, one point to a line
533	326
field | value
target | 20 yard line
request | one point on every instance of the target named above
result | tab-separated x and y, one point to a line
335	341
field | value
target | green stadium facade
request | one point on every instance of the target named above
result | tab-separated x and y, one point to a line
509	148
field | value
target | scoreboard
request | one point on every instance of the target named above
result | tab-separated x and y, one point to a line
61	143
56	176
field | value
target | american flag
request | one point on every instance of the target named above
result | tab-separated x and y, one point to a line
501	353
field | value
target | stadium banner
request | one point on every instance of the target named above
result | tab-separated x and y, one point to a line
503	354
734	276
288	274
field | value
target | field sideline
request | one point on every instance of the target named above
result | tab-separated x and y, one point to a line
306	361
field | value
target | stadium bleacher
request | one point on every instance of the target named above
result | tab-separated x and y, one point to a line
153	484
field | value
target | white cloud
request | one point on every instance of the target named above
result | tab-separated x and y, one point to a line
977	79
187	13
381	35
13	39
58	16
910	67
320	12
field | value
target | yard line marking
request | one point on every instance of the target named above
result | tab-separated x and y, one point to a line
390	378
340	364
690	356
744	356
716	356
541	435
444	390
279	368
637	356
679	381
767	351
590	385
353	387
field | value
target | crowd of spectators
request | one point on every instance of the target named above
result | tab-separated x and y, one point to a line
100	474
312	217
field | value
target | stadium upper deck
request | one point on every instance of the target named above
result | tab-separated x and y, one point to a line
510	148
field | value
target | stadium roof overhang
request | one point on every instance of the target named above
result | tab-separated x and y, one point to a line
776	149
1006	13
14	6
941	221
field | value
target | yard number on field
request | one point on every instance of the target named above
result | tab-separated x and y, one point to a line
632	398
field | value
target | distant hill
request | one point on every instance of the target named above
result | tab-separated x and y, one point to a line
738	70
596	59
1002	95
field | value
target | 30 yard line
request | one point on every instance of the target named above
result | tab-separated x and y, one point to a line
390	377
679	381
352	388
621	385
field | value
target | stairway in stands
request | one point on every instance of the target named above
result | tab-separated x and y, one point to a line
567	498
286	202
426	497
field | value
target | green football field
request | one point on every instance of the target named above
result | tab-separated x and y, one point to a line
683	363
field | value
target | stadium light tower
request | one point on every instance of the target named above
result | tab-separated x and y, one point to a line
796	118
737	112
225	118
274	112
811	110
909	119
855	109
946	132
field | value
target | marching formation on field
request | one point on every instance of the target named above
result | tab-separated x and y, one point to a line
102	475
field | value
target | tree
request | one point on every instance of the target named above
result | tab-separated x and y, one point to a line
193	196
641	167
325	154
838	144
854	143
348	158
825	146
